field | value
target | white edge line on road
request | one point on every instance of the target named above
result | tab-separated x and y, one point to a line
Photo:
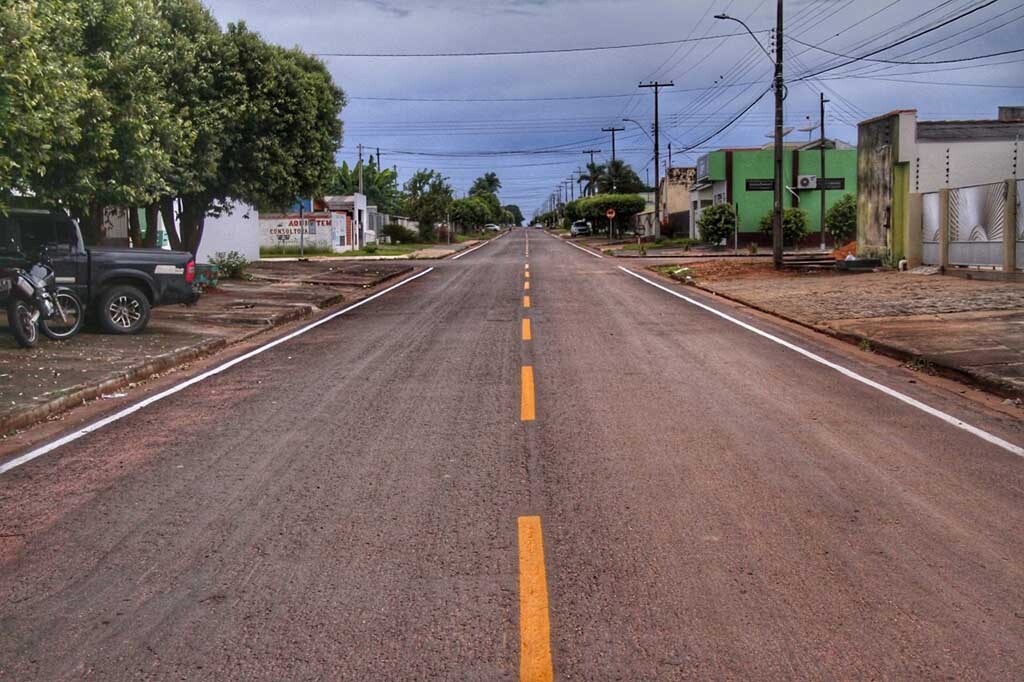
106	421
949	419
595	255
466	253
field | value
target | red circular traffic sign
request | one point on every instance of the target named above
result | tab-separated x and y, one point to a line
610	213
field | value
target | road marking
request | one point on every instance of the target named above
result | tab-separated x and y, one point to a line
527	332
466	253
527	274
526	285
526	301
527	407
595	255
132	409
913	402
534	620
526	267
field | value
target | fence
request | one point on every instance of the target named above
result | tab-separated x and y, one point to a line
977	226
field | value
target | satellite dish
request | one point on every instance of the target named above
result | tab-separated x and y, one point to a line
809	126
785	131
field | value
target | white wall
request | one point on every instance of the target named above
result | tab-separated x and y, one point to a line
970	163
238	231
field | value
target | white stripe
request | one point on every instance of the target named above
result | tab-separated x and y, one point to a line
949	419
466	253
106	421
595	255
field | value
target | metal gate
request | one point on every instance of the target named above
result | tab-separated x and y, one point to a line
975	221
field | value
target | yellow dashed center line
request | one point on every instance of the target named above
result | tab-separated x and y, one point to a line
527	332
526	274
527	407
534	624
526	286
526	301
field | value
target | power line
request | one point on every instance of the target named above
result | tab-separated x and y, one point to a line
505	53
902	40
896	61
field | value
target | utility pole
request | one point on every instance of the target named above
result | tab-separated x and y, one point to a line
379	167
656	86
612	130
779	96
593	181
669	156
821	180
360	168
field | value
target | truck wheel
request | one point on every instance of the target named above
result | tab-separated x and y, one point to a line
123	309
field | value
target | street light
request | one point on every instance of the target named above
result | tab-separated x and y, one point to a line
636	123
726	17
779	86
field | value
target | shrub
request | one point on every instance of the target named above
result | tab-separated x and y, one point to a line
399	234
794	225
841	219
717	222
230	265
370	248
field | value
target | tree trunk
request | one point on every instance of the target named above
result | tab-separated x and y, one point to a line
90	221
134	227
152	226
167	213
193	220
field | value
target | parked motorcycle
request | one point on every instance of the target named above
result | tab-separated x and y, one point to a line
36	304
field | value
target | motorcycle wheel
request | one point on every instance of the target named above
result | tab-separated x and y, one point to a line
21	320
58	329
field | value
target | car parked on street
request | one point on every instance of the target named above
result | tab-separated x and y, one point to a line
118	286
491	227
580	228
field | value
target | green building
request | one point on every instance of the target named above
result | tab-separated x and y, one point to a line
743	178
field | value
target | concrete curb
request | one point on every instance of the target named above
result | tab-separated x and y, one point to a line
78	395
962	374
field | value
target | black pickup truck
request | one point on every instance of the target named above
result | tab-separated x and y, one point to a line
117	286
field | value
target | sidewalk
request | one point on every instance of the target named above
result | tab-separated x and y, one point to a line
970	329
53	377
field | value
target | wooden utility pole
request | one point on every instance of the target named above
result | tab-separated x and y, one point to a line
360	168
779	85
656	86
821	180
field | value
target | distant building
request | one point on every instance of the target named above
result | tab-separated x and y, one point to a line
743	177
907	166
675	200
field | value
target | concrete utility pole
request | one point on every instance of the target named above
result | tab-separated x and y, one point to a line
379	167
360	168
656	86
592	180
779	97
821	180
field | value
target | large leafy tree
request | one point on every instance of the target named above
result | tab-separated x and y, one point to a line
516	213
470	213
428	196
41	90
590	178
380	185
127	121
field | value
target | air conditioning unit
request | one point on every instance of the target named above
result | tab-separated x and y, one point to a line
807	182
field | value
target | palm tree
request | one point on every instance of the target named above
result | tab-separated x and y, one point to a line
488	183
619	177
592	177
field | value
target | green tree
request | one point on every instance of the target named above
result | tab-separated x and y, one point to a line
380	186
841	219
716	223
618	177
470	213
590	178
488	183
428	196
517	215
42	88
794	225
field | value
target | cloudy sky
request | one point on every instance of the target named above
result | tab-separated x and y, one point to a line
439	112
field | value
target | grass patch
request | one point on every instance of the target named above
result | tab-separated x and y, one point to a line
293	251
387	250
676	242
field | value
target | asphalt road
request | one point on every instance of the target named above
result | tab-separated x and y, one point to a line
384	498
